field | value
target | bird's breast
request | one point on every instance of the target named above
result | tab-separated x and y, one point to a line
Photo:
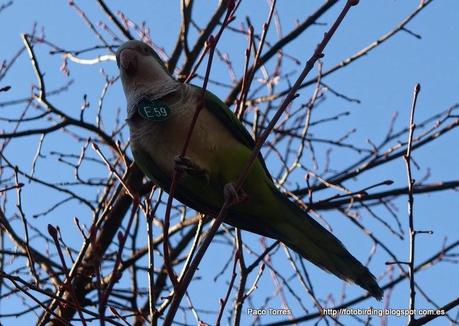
164	140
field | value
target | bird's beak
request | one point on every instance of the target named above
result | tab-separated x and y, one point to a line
126	60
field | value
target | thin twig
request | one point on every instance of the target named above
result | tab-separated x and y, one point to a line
26	229
411	181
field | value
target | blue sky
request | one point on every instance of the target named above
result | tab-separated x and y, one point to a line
383	81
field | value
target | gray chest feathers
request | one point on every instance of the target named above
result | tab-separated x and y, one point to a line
164	140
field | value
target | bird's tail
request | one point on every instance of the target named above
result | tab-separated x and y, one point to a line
307	237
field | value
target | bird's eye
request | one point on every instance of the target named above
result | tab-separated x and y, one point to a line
146	50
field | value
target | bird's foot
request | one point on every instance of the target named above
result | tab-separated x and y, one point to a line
231	195
185	164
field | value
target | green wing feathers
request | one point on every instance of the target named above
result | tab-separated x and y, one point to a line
227	117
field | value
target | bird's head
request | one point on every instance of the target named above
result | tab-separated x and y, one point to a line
140	67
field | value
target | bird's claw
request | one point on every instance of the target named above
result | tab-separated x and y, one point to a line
230	194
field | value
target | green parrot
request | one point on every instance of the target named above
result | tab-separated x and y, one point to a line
160	110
